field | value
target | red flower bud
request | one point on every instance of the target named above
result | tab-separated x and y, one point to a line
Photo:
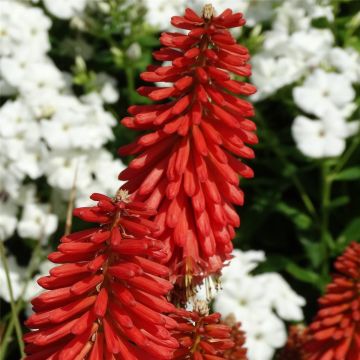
107	298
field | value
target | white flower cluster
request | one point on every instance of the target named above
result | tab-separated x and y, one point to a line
46	131
293	50
260	302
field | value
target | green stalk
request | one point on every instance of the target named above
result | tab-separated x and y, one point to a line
14	314
347	155
326	183
130	81
294	178
33	265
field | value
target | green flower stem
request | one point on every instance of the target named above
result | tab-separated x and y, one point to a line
130	82
14	313
326	183
9	330
33	265
271	140
347	155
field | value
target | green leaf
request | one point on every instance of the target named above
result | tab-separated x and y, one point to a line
304	275
349	174
320	23
273	263
350	233
314	251
339	201
301	220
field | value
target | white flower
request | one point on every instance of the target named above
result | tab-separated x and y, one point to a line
242	263
287	304
10	177
14	117
133	52
290	19
107	88
270	74
30	32
78	125
324	137
160	11
44	103
311	46
241	296
265	333
40	75
347	62
104	172
8	219
62	167
15	272
318	94
252	299
257	11
37	222
21	136
65	9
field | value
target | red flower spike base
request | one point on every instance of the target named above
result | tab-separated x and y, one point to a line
107	299
294	347
335	332
186	165
238	351
202	337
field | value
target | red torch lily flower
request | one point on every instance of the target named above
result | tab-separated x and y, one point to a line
187	165
294	347
335	332
202	336
107	298
238	351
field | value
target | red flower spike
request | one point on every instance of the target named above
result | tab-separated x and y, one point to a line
238	351
107	298
186	167
335	332
294	348
202	336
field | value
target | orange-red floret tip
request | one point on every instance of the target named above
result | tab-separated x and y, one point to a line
335	332
187	165
107	297
202	337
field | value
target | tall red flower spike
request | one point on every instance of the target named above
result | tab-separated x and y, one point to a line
335	332
186	166
202	337
106	301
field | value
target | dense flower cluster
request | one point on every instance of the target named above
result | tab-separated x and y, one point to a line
292	49
106	299
117	288
335	332
252	299
202	336
47	131
186	167
238	351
